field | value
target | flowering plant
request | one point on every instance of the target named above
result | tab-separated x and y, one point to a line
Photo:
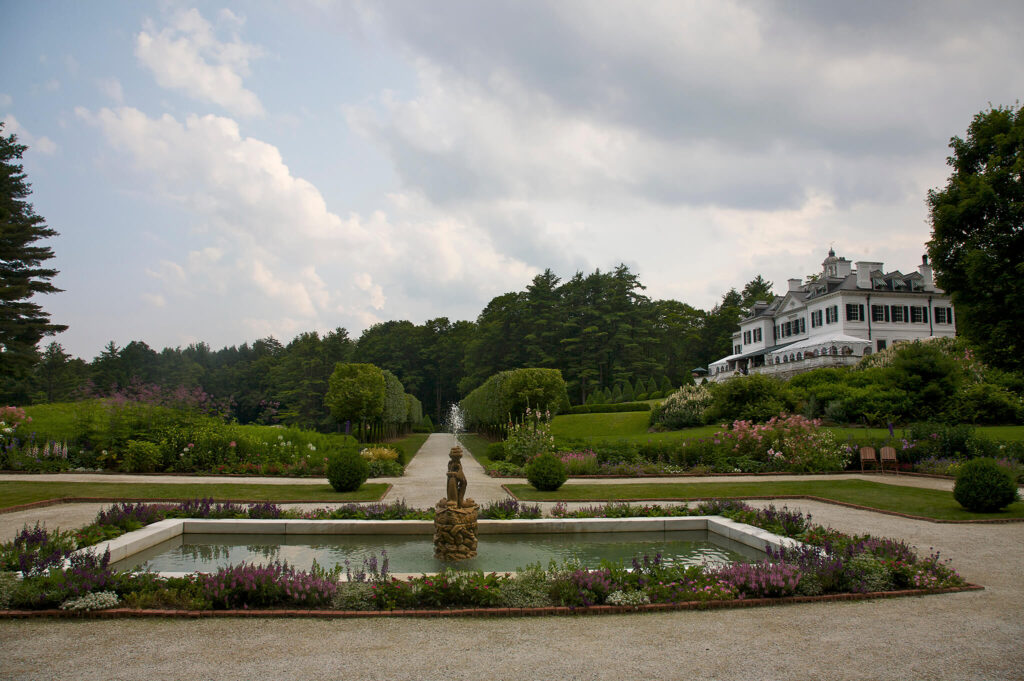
529	437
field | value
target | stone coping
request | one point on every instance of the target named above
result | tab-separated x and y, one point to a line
113	613
132	542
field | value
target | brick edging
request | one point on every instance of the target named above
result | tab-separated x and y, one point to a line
79	500
808	497
114	613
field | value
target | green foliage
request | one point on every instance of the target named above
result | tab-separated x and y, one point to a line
529	437
356	393
986	403
750	398
983	486
140	457
512	392
926	374
628	394
546	472
496	451
347	470
977	242
395	410
683	409
23	323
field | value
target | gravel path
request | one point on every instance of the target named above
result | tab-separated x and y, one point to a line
974	635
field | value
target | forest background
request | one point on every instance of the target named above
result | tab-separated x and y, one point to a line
599	330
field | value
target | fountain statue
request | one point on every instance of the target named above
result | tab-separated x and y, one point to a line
455	515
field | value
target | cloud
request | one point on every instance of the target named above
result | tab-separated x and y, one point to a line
188	57
6	100
267	247
111	87
154	299
44	145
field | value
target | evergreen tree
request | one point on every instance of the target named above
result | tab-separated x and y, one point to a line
628	394
22	323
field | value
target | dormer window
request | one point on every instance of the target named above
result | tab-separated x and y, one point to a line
879	282
898	283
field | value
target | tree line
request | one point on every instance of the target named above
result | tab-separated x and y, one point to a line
599	330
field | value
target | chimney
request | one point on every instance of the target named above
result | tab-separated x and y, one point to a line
927	279
795	285
864	269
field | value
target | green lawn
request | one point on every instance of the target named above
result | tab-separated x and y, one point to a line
928	503
411	443
632	426
14	493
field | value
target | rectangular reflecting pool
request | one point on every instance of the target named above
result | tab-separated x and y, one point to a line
414	553
182	545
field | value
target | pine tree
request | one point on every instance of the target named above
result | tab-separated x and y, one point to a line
22	322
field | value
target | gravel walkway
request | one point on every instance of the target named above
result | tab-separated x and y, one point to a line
973	635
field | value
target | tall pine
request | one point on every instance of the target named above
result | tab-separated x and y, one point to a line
23	323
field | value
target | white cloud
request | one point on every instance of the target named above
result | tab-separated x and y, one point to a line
44	145
154	299
111	87
272	252
188	57
6	100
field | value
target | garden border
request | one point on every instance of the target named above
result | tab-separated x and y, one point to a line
772	497
612	476
112	613
86	500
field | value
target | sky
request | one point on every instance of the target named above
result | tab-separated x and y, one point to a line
226	171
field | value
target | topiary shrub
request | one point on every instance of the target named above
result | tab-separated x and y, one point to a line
496	451
546	472
347	470
983	487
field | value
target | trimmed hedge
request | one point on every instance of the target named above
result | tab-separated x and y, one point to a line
609	408
507	394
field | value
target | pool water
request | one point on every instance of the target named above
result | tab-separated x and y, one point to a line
414	553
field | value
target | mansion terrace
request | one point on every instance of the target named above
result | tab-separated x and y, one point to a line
835	318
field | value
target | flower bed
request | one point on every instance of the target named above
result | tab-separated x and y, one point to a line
829	564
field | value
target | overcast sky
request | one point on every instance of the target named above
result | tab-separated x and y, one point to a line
228	171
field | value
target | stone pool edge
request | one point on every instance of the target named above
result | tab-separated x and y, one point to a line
131	543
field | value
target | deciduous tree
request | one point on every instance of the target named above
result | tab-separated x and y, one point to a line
977	244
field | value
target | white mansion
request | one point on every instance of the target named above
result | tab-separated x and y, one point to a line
836	318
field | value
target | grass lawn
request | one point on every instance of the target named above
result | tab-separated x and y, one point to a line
928	503
14	493
632	426
411	443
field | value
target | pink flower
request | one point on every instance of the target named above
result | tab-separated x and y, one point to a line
190	445
231	444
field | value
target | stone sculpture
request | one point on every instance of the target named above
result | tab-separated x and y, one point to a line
455	517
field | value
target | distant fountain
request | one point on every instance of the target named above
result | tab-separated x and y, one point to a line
456	420
455	516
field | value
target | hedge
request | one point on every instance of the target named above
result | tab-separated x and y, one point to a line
507	394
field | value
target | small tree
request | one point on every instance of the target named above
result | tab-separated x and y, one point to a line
356	393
